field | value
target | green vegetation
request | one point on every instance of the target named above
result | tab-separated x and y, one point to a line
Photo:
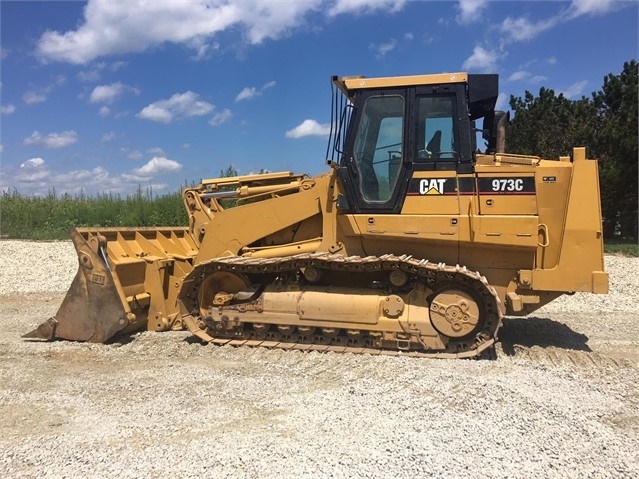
622	247
51	217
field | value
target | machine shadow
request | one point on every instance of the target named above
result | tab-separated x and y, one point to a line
122	340
543	332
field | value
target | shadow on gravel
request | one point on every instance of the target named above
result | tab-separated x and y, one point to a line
543	332
122	340
193	339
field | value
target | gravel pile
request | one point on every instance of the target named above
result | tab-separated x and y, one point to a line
36	266
561	400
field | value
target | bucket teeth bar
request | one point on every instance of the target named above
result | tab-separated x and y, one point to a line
93	309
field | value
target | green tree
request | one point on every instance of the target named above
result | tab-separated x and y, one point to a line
615	144
230	171
549	125
227	173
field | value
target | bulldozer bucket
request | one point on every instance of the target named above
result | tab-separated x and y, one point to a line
93	309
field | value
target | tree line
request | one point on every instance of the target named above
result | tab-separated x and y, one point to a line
549	125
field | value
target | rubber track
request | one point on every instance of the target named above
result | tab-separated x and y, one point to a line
483	341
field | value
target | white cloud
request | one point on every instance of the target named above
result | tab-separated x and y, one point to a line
538	79
31	97
308	128
481	60
522	29
365	6
470	11
109	93
576	89
94	72
248	93
32	163
35	177
221	117
269	20
31	171
180	105
106	93
156	151
156	165
204	51
383	48
108	137
104	111
97	179
518	75
591	7
30	175
39	95
132	154
7	109
124	26
524	74
52	140
84	175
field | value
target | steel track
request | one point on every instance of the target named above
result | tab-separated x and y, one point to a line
481	342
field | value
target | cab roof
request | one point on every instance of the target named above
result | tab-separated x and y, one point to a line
482	89
349	84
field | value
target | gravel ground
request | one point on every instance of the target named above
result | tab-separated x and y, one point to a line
561	400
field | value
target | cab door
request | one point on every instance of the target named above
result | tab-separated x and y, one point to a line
372	167
433	191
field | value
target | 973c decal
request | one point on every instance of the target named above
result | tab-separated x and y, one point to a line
507	186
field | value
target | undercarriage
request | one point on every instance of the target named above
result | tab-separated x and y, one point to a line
320	301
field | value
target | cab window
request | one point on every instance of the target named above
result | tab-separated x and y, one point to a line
379	146
436	136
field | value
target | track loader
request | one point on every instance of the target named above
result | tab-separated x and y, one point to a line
412	242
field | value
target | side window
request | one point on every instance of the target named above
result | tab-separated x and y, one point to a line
436	137
378	147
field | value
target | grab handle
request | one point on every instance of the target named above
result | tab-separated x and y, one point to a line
544	229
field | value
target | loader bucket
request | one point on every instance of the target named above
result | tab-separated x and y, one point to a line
93	309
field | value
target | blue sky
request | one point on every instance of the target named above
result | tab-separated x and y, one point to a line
106	96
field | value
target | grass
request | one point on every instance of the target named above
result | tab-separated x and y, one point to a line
622	247
51	217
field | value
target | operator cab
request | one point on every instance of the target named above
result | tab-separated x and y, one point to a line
390	127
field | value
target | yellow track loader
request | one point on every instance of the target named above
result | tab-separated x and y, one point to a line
413	242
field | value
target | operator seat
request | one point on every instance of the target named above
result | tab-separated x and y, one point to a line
435	144
369	185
